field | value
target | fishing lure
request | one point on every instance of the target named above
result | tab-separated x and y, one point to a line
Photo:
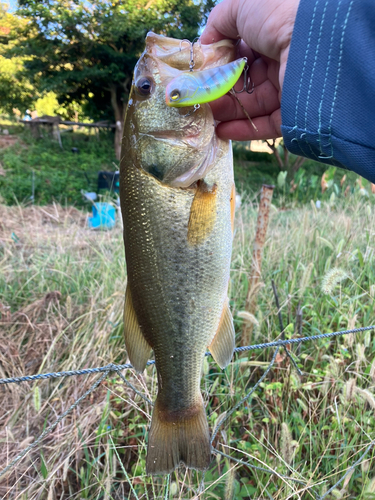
198	87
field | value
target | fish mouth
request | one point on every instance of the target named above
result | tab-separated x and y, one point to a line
178	55
194	141
177	146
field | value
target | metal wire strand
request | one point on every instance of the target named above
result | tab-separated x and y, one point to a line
350	469
241	402
116	368
282	330
50	428
134	389
268	471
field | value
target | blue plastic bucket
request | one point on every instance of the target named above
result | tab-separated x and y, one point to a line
104	216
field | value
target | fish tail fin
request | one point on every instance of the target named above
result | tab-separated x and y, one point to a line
178	436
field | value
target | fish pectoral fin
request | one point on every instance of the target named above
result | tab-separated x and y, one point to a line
223	343
137	347
202	213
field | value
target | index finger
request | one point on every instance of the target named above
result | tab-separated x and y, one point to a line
226	12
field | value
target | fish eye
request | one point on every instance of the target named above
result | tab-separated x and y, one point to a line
175	94
144	86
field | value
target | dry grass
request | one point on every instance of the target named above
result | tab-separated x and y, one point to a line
61	299
55	332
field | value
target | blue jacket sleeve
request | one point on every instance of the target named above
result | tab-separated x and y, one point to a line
328	99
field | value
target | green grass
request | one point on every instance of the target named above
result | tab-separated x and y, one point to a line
62	288
57	175
254	169
60	175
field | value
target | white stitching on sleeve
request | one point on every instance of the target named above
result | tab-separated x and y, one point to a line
326	78
338	71
312	74
305	61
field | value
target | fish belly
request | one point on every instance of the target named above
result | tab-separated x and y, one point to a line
178	286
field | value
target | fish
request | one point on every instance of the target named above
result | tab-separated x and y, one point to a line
199	87
177	200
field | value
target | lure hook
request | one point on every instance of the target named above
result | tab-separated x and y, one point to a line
192	62
246	83
196	39
184	40
195	108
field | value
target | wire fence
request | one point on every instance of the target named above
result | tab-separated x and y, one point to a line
112	368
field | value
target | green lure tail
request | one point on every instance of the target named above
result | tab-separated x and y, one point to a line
199	87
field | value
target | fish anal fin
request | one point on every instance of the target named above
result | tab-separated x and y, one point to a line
202	213
178	436
223	343
137	347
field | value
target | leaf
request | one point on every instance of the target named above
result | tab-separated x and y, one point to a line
330	173
37	399
279	358
281	178
360	258
326	242
219	421
43	467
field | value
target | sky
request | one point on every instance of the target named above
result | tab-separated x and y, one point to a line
12	5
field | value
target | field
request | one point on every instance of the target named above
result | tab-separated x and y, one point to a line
61	300
40	171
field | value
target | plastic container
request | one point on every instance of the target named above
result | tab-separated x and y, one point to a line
104	216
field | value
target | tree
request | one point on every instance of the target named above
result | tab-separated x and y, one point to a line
285	161
84	49
16	91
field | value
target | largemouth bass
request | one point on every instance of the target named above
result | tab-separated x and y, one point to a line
177	201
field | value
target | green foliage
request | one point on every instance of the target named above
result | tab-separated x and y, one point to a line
86	51
57	174
16	91
254	169
47	105
60	174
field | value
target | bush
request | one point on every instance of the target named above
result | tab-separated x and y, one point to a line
57	174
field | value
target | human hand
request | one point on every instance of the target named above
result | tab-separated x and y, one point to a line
265	28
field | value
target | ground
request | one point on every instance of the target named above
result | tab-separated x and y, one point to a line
62	288
7	140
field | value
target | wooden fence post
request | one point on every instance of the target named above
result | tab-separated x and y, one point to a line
256	265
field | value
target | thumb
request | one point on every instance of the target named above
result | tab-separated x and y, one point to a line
264	25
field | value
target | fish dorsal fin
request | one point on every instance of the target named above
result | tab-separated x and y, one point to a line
223	343
202	213
137	347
